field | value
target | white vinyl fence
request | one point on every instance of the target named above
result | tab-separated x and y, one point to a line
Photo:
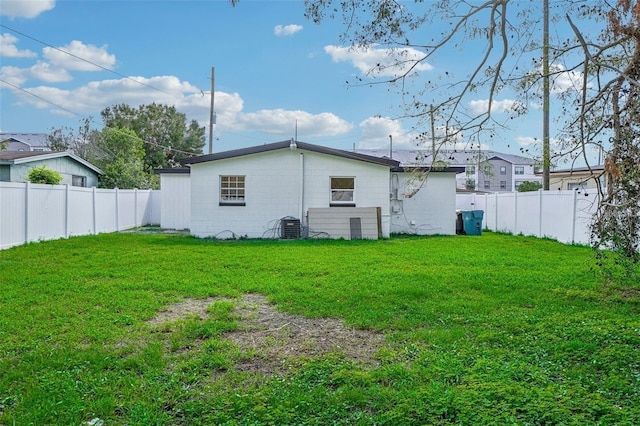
562	215
33	212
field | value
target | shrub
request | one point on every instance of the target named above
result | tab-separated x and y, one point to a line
529	186
43	174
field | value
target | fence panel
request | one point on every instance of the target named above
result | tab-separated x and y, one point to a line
46	212
13	218
562	215
80	211
30	212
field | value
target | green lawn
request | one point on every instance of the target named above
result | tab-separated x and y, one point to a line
490	329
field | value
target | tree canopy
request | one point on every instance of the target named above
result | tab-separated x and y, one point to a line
167	136
597	57
132	143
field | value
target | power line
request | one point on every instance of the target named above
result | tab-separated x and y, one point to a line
93	121
85	60
40	97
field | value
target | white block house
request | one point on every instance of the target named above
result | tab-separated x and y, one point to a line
294	189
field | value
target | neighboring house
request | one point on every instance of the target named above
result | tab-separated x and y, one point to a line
15	166
294	189
37	142
504	173
578	178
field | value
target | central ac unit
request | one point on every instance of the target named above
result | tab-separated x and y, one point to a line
290	229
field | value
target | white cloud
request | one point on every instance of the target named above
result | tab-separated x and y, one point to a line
9	49
13	75
90	99
25	8
376	131
76	49
563	80
531	142
48	73
287	30
526	141
283	123
380	62
481	106
42	71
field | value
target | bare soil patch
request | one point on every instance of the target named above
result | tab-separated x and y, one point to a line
277	337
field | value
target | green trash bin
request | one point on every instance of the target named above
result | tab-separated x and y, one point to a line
472	222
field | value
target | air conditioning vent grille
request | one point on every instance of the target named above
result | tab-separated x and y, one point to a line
290	229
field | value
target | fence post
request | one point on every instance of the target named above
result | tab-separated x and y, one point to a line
515	213
573	216
93	202
539	213
135	207
117	209
27	188
496	196
66	210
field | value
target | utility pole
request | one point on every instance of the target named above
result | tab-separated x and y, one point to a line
546	156
211	114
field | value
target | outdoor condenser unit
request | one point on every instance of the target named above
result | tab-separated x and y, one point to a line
290	229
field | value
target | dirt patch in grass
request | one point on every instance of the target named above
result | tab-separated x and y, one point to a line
176	311
277	337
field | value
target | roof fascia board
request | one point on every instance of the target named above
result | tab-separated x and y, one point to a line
287	145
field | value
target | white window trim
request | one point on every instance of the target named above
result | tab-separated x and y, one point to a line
236	200
342	203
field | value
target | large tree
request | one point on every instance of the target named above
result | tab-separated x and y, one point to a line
120	155
80	142
167	136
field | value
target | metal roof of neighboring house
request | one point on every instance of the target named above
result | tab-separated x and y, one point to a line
413	157
31	139
598	168
287	145
20	157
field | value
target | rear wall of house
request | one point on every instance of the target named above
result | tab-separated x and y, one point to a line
64	165
278	184
430	211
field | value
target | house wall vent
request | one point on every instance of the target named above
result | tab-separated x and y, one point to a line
290	229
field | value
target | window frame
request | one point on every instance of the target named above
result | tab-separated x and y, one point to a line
503	170
237	193
342	203
76	178
518	170
487	184
503	184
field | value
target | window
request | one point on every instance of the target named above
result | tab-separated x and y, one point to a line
232	191
577	185
503	170
470	170
518	170
503	184
487	184
518	183
342	191
78	181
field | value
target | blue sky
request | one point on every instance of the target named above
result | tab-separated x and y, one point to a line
275	71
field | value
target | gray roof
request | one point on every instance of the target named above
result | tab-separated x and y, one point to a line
20	157
31	139
286	145
416	157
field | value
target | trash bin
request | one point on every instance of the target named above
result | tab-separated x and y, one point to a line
472	222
